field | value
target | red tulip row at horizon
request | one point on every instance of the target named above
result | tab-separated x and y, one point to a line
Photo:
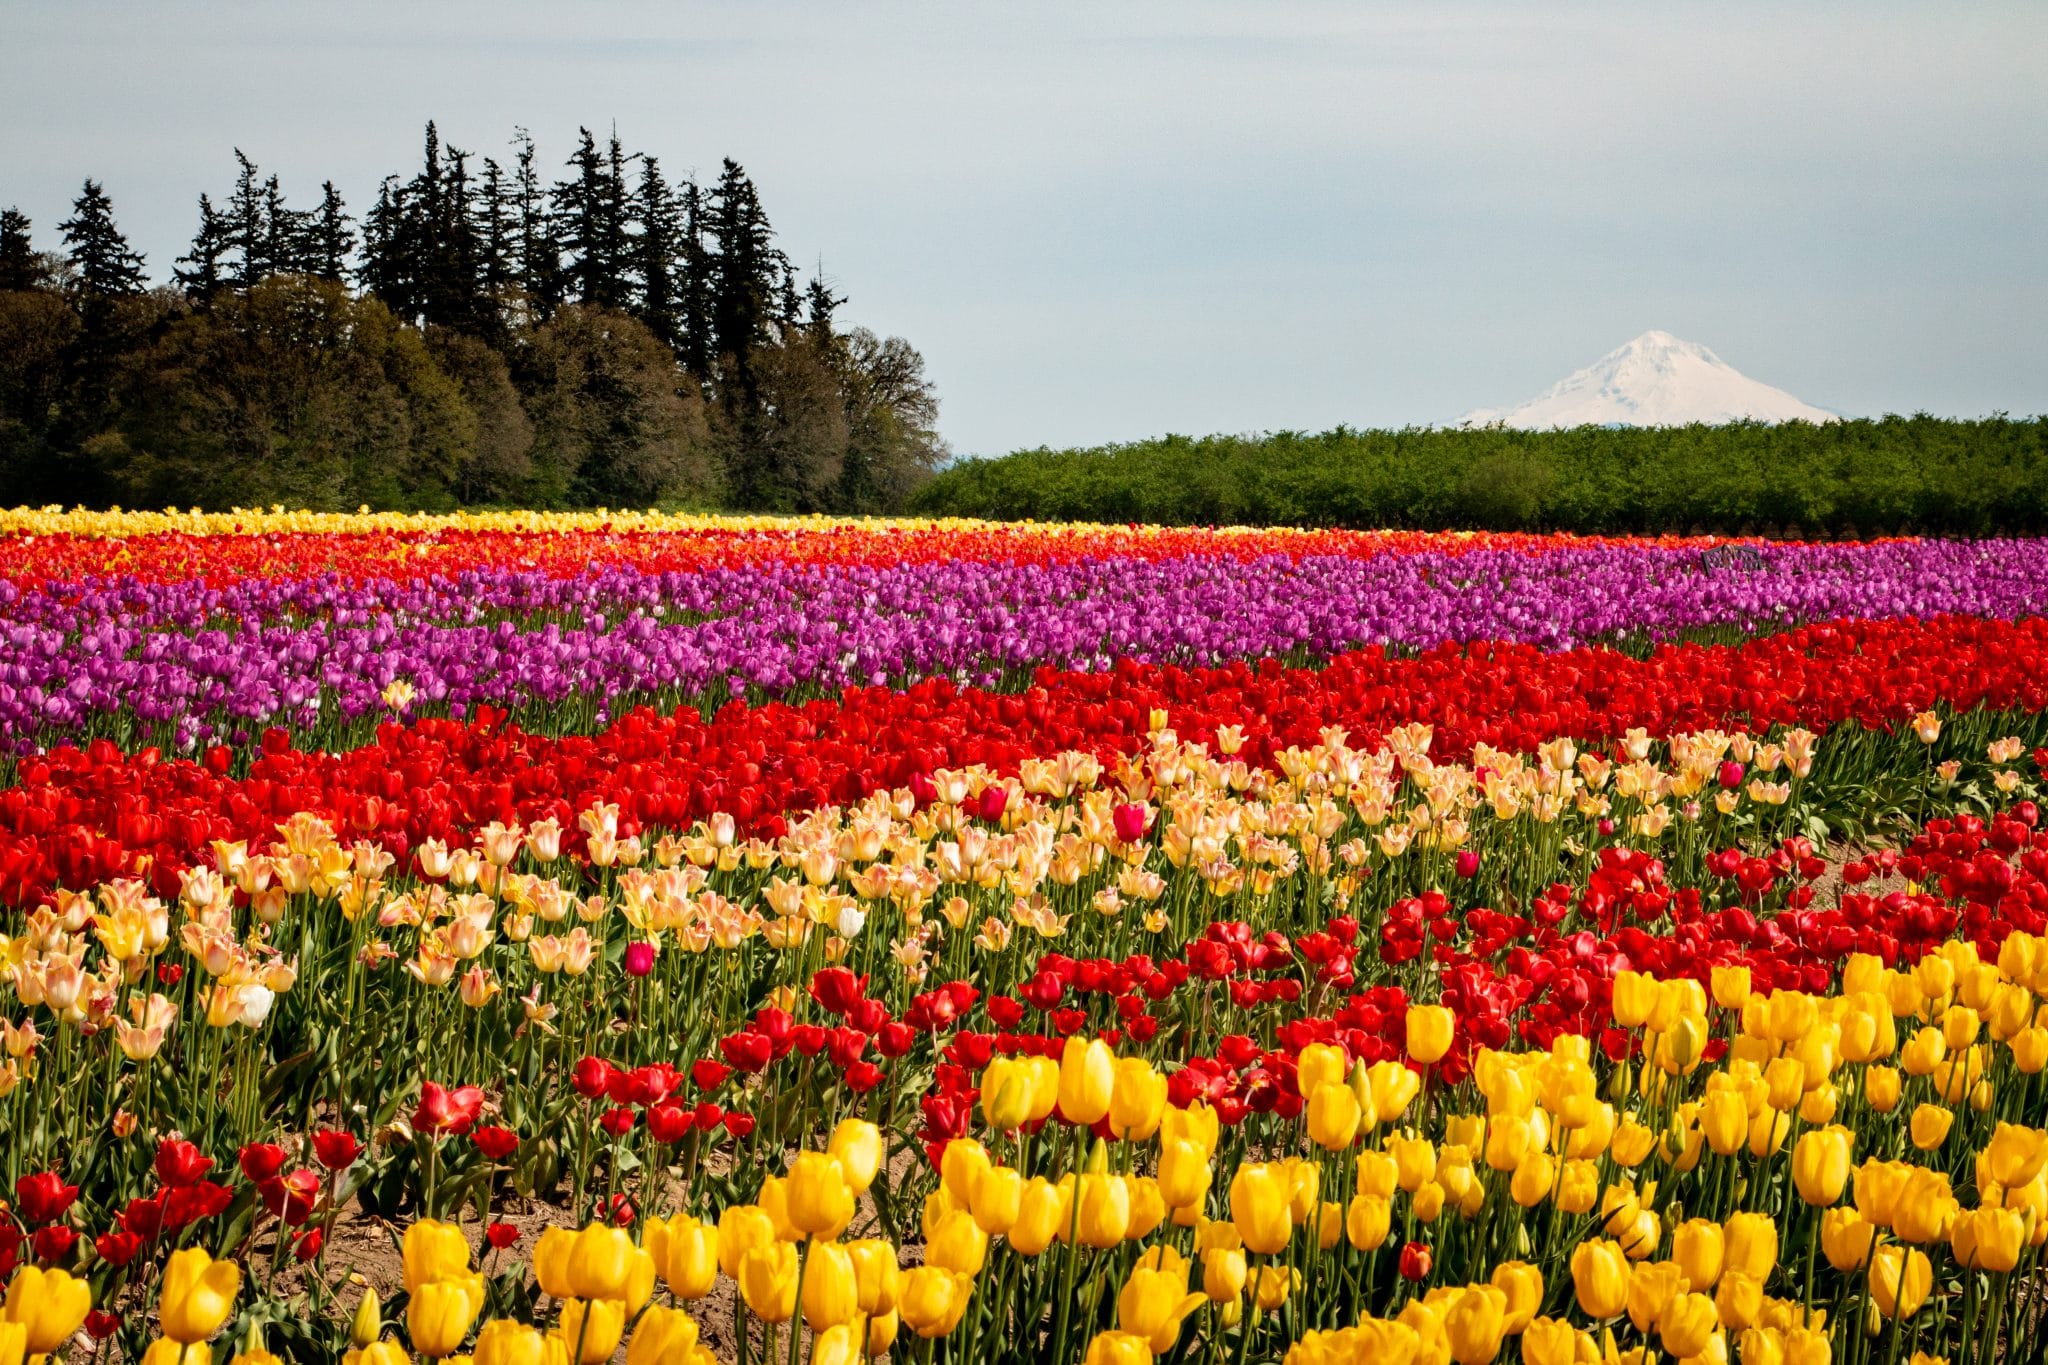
75	817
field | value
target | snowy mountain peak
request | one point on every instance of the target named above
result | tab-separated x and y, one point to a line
1657	380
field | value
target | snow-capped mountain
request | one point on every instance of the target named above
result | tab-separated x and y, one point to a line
1656	380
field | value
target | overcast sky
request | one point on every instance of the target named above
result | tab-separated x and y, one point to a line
1104	221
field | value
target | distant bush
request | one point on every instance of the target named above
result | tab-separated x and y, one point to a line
1898	474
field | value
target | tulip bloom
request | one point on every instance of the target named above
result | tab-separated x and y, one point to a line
1820	1164
49	1306
198	1295
1430	1030
1261	1197
1600	1279
1087	1081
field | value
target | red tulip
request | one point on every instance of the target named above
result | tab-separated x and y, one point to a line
179	1163
261	1161
495	1142
43	1197
335	1149
1415	1261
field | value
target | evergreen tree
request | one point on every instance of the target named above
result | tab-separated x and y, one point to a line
330	241
199	273
455	295
248	225
590	209
745	276
384	271
107	268
821	303
20	267
287	233
745	271
498	264
693	287
658	252
538	252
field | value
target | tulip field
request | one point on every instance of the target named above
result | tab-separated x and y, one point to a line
527	939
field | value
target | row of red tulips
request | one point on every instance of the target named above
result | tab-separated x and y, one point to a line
76	817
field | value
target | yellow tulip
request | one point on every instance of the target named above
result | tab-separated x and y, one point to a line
1137	1099
1578	1187
875	1275
1320	1064
1749	1244
1271	1285
1652	1287
1476	1321
1184	1172
1224	1271
1367	1221
1698	1246
1006	1090
439	1313
836	1345
367	1324
1430	1030
1900	1278
685	1252
1333	1116
881	1336
820	1201
997	1199
1687	1324
958	1244
1881	1087
434	1251
1989	1239
1087	1080
198	1295
962	1163
662	1336
741	1228
1600	1279
767	1281
2015	1154
1394	1087
857	1146
590	1329
1534	1180
165	1351
1929	1126
1148	1207
1378	1176
1104	1215
1724	1118
1730	986
1926	1206
831	1290
1117	1348
1041	1216
1635	996
933	1301
1153	1304
1260	1206
505	1342
2030	1050
1553	1341
1414	1161
1522	1283
49	1306
1740	1300
600	1263
1846	1238
1820	1164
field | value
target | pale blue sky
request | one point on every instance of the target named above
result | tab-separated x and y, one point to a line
1104	221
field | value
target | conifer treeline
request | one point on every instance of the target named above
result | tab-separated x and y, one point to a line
486	332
